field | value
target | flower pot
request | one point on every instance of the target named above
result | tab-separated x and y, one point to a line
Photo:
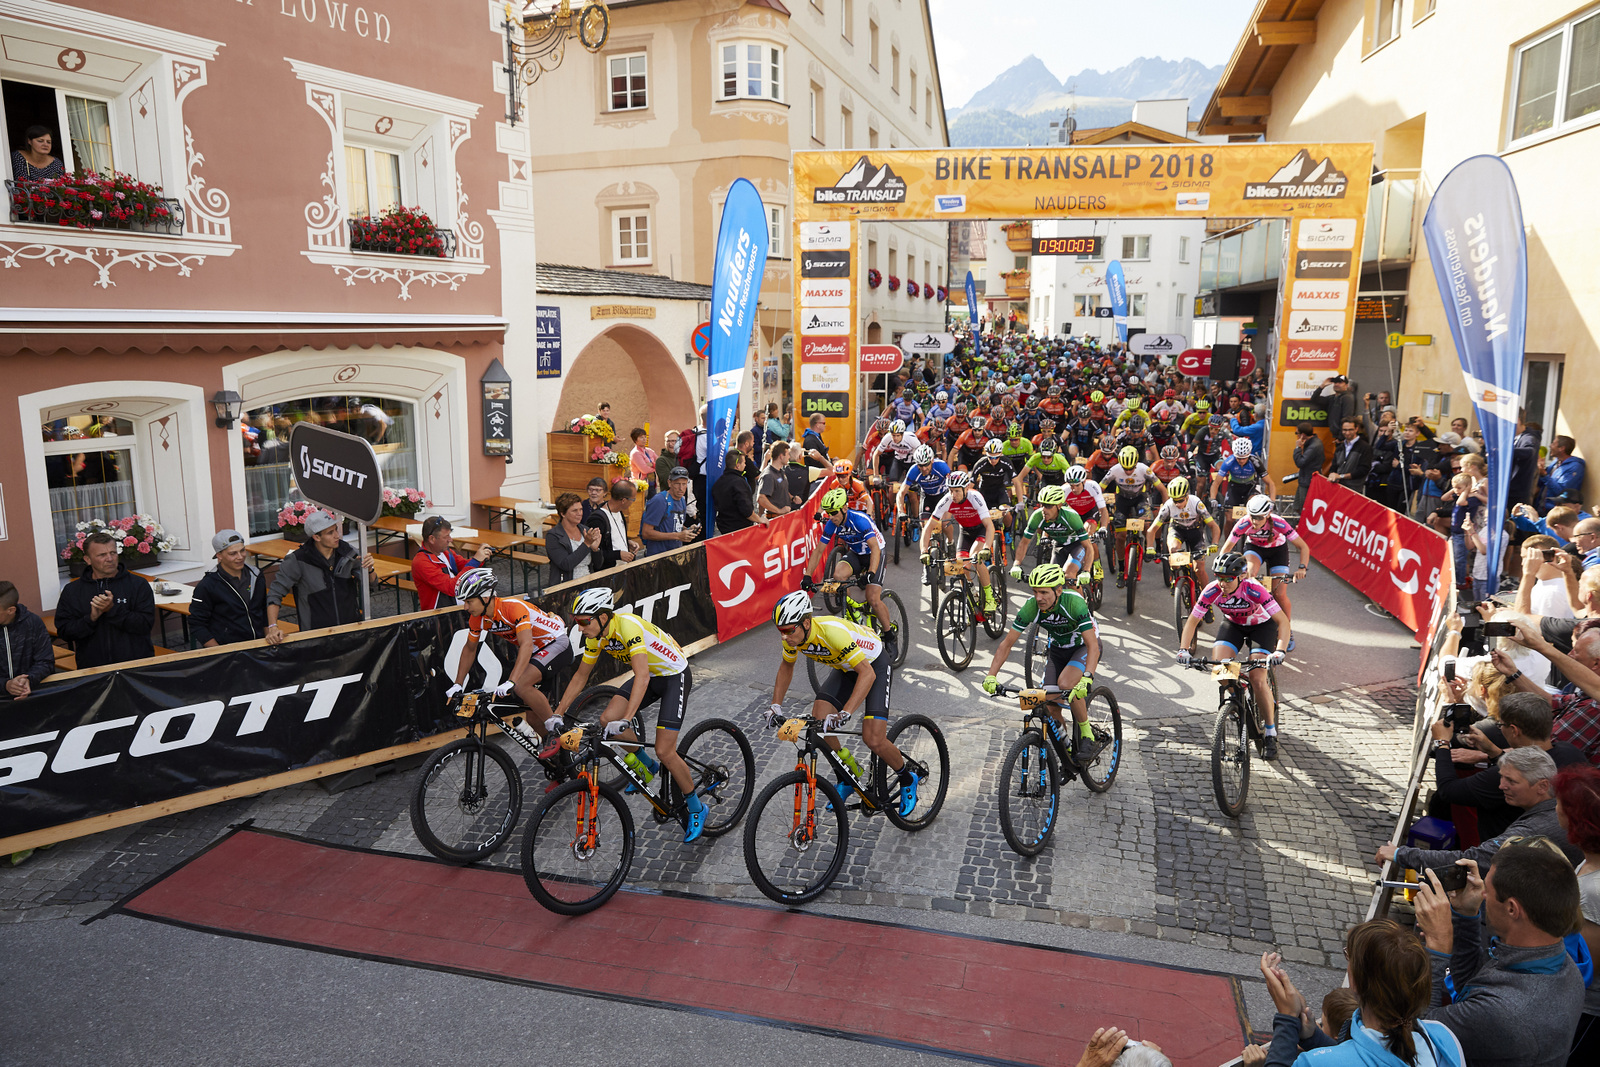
293	533
140	560
76	567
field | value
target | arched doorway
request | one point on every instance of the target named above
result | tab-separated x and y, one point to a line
642	380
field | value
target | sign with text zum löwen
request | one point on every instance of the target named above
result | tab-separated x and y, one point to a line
335	470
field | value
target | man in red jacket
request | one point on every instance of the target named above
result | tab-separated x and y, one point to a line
436	567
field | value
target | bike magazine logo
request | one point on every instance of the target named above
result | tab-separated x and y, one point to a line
864	183
1312	264
1319	294
1316	326
1302	178
825	264
825	322
1314	355
1320	234
822	236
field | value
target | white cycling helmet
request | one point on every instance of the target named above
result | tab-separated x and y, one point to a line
957	480
792	609
593	601
993	447
1077	475
476	582
1242	448
922	456
941	396
1260	504
897	427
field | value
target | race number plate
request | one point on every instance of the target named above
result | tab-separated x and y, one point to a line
1031	698
469	703
1180	559
1135	525
954	566
1239	512
1229	669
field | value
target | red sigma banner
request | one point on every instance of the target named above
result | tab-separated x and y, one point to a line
1398	562
751	569
1196	362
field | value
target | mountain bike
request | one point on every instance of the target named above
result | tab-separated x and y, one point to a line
1239	725
1036	762
956	624
834	592
1132	557
1185	586
580	838
797	837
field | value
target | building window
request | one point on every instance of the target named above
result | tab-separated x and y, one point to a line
1092	257
372	180
894	68
872	137
1183	251
816	114
1421	9
774	230
89	472
88	143
913	94
1557	79
1084	305
894	258
1136	304
872	255
752	70
1183	306
872	44
1136	246
1019	263
847	129
1387	27
630	229
628	82
927	109
847	13
89	129
389	426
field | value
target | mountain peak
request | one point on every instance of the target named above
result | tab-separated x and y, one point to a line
1017	87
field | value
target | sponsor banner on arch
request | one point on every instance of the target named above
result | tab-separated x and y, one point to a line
1398	562
749	570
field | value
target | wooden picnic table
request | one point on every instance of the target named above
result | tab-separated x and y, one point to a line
502	507
384	572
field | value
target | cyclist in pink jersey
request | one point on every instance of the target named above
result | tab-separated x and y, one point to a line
1249	617
1266	538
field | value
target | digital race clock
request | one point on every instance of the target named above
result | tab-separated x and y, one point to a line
1067	246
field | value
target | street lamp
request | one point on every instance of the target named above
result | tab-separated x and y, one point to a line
496	411
227	403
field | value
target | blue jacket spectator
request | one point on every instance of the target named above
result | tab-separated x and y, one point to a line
665	515
25	643
1563	473
1256	432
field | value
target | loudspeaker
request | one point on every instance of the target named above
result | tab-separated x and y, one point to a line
1224	362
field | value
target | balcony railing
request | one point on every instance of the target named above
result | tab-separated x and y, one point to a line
48	204
1017	283
368	239
1019	236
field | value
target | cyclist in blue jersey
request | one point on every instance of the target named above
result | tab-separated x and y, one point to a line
1240	472
906	409
860	536
942	408
926	480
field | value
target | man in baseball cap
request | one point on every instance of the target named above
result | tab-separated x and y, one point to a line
664	524
230	601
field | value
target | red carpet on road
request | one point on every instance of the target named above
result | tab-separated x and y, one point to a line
879	982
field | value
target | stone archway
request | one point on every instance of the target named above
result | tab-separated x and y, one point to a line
638	375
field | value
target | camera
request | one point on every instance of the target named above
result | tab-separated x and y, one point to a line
1499	629
1451	878
1460	716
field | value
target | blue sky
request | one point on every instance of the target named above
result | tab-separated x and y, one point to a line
976	41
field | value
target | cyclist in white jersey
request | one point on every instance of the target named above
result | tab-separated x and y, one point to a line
1187	520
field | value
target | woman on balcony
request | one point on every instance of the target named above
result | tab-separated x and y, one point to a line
34	161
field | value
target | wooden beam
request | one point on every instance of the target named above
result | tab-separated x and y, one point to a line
1239	106
1223	128
1271	33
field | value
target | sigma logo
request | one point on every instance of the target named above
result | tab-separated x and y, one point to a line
825	351
817	293
331	471
1316	326
83	747
1314	355
947	202
739	584
825	323
1319	294
1194	201
863	183
1302	178
1320	234
1322	265
821	236
825	264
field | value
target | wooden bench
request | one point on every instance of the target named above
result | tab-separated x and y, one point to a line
403	583
534	560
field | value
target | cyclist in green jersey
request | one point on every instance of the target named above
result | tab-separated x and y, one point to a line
1059	531
1049	461
1017	448
1074	643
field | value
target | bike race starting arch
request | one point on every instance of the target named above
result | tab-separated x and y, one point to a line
1321	189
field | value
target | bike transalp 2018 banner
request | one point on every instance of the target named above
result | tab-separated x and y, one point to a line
1480	260
740	262
972	315
1117	286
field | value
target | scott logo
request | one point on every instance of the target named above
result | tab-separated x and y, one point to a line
333	472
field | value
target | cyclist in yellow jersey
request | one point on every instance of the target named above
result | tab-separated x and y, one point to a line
862	675
660	673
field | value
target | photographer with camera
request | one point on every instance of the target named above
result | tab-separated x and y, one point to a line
1504	983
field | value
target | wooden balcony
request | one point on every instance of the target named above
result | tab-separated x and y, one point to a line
1019	236
1017	283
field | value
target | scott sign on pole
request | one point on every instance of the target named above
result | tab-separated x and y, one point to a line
740	261
337	471
1480	261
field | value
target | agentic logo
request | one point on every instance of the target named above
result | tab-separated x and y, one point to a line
1302	178
864	183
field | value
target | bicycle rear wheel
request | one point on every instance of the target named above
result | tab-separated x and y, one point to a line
1105	720
922	743
957	630
894	536
466	801
1030	793
1230	758
578	848
723	768
994	622
796	839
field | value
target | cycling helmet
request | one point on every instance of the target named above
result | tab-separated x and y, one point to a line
843	468
1049	445
1178	488
1014	429
1259	505
993	447
592	601
881	425
1169	451
1242	448
1053	495
922	456
1077	475
834	500
1107	443
961	408
1133	401
792	609
1046	422
1054	390
1228	565
958	480
1097	397
1047	576
1128	457
897	427
1121	392
1170	394
1202	404
1027	377
476	582
941	396
979	422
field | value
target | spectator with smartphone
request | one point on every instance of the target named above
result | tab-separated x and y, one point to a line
1549	584
1504	983
664	525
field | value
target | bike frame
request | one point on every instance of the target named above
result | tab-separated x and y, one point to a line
806	763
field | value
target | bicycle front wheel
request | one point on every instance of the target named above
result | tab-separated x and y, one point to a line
796	839
994	622
466	801
922	745
724	771
1130	572
1182	602
578	848
1105	720
897	615
1030	793
834	601
1230	759
956	630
